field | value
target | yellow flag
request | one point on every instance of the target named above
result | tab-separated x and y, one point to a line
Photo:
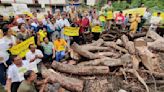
22	48
109	15
96	29
42	34
71	31
162	15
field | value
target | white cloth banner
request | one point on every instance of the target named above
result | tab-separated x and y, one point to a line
91	2
44	1
25	1
7	1
20	8
58	2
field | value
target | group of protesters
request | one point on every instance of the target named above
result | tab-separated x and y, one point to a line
51	44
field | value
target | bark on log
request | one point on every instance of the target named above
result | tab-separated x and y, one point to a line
80	70
153	35
149	60
97	43
94	48
113	45
128	44
108	54
119	42
158	45
137	35
68	83
74	55
135	62
104	61
84	52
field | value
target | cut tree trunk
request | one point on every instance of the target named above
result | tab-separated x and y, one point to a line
97	43
83	52
80	70
158	45
108	54
104	61
153	35
149	60
94	48
71	84
129	45
137	35
113	45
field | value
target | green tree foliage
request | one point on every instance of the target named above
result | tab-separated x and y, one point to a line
153	5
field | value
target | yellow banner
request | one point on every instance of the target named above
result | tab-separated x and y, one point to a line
135	11
22	48
42	34
96	29
162	15
71	31
109	15
102	18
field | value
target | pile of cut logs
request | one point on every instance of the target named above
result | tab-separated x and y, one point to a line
125	63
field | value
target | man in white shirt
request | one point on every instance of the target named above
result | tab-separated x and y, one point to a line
63	22
9	39
34	56
15	73
155	21
147	14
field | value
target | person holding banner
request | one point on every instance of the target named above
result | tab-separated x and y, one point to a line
9	38
64	23
96	28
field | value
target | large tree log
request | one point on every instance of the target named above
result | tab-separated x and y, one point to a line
137	35
97	43
158	45
84	52
149	60
68	83
104	61
153	35
113	45
108	54
128	44
80	70
94	48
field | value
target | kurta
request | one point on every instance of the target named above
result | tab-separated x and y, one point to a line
134	24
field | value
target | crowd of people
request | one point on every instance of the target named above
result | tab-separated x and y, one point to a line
18	74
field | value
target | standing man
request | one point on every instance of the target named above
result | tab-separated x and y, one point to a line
120	20
60	47
15	73
63	22
155	21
